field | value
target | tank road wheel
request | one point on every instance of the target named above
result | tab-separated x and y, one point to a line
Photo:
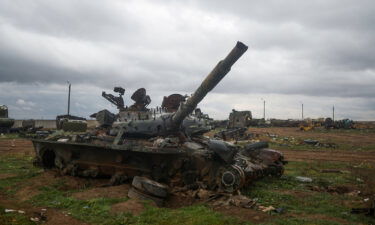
48	159
277	169
230	178
136	194
151	187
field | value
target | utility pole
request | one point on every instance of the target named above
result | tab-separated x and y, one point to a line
264	109
302	111
69	98
333	113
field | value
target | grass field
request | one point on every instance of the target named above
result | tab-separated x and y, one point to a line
328	199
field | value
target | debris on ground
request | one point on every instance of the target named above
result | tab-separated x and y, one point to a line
354	193
39	216
332	171
310	142
304	179
279	210
335	189
327	145
266	209
292	141
144	188
242	201
234	200
203	194
367	211
9	210
35	219
13	210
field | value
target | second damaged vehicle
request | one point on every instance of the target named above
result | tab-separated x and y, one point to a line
159	148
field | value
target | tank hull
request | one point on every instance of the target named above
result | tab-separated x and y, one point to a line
77	158
189	165
6	124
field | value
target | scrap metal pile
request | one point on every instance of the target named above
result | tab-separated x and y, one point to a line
339	124
163	144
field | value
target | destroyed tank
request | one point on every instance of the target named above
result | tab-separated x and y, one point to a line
5	122
158	147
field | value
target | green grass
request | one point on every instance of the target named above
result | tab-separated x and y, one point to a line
197	214
297	198
298	221
13	218
314	170
343	131
9	136
97	211
93	211
297	143
20	167
302	205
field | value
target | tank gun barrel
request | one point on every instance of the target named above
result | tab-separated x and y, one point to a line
212	79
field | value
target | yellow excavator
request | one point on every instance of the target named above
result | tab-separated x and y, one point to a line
310	124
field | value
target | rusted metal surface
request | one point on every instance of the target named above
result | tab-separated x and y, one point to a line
142	100
172	102
116	100
239	119
166	146
233	134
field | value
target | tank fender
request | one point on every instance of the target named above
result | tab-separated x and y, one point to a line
269	156
224	150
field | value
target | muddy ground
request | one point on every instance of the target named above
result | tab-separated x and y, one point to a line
97	189
349	144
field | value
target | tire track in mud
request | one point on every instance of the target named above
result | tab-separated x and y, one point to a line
339	156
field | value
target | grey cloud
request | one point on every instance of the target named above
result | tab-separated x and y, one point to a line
330	32
319	49
333	14
90	20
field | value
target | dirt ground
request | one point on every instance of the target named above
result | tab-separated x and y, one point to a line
355	157
353	137
27	191
59	217
357	139
50	216
16	146
119	191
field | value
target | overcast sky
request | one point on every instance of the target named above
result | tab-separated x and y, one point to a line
319	53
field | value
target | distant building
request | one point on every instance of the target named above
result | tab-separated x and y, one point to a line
238	119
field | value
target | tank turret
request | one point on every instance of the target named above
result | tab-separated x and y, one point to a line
171	123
